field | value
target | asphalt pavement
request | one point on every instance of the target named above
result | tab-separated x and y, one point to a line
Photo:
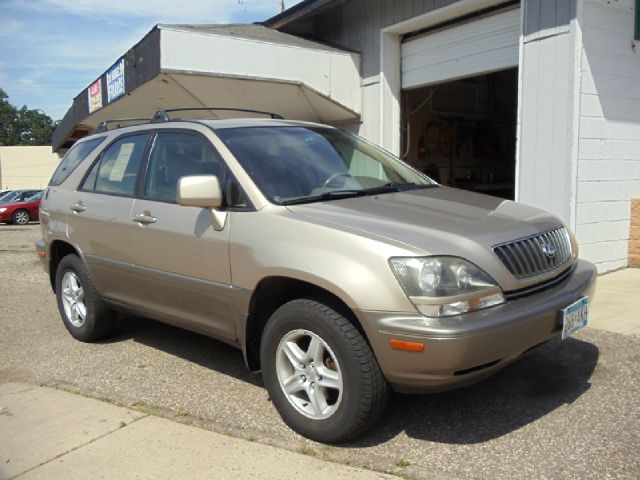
568	410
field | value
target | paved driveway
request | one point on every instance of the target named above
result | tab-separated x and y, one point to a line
569	410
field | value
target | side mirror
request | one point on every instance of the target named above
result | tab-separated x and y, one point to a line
203	191
199	191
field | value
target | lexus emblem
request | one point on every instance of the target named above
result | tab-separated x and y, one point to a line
549	250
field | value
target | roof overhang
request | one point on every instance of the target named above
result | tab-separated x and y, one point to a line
243	67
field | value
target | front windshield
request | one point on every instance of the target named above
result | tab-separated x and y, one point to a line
302	164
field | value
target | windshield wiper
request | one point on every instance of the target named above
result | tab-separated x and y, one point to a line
339	194
395	187
331	195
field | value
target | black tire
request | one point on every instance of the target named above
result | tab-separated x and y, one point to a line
364	389
21	217
99	321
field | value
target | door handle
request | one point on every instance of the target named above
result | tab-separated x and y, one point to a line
78	207
144	218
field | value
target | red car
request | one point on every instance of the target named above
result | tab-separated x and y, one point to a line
21	211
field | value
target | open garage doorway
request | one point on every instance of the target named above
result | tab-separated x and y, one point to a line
462	133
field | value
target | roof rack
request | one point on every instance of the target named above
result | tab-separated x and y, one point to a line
161	115
103	126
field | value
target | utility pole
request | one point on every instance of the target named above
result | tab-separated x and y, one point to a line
281	6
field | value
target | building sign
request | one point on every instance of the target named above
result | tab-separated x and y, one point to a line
95	96
115	81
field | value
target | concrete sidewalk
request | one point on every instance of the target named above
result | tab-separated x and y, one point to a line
615	302
51	434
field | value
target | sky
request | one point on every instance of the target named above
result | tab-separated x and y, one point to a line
50	50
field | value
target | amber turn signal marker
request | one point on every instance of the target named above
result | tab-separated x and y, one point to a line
407	346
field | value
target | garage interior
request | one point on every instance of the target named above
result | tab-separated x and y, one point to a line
460	101
462	133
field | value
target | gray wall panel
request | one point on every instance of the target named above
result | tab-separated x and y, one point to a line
546	14
357	23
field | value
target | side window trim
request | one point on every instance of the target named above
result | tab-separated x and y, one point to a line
225	172
95	165
144	167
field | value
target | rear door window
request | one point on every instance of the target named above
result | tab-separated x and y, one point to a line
116	173
73	158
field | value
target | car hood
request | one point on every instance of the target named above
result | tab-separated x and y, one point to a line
439	221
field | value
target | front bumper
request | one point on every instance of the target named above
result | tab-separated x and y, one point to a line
465	348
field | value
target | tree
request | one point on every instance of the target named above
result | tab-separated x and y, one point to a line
23	126
7	121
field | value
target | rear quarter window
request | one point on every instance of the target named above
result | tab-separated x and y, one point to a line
73	158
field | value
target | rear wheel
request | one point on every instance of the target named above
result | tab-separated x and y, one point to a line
321	373
83	312
21	217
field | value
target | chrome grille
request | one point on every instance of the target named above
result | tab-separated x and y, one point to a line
536	255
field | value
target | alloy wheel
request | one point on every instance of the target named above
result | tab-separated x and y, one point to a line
73	299
21	218
309	374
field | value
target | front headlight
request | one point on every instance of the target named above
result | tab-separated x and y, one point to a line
2	210
444	286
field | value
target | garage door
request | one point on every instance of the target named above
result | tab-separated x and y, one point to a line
472	48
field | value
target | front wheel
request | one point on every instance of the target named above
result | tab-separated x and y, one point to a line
321	373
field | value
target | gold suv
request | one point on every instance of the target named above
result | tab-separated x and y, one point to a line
339	271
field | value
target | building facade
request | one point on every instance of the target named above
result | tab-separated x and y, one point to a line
26	167
537	101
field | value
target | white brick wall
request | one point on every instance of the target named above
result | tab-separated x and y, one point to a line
609	133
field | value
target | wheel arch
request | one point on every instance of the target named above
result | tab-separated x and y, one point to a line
273	292
57	251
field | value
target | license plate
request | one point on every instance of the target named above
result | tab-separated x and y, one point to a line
574	317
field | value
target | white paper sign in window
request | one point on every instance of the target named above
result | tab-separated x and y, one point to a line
122	160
